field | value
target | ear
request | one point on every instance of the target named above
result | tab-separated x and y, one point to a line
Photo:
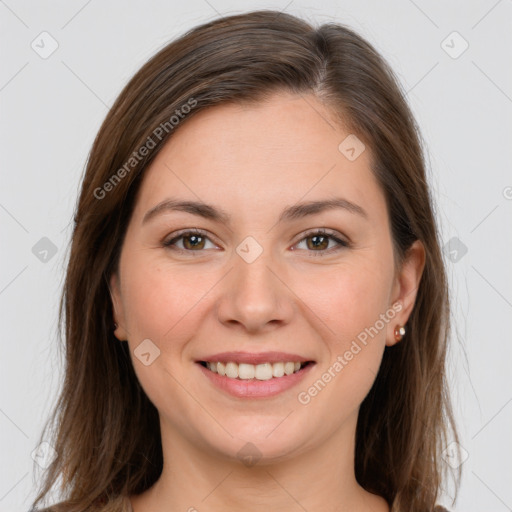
120	331
405	287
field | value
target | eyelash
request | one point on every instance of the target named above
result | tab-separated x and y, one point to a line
319	232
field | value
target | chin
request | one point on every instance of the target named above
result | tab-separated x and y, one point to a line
261	440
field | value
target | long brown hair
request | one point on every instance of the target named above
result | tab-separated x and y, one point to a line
107	434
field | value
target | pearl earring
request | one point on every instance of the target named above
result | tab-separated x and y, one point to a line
399	332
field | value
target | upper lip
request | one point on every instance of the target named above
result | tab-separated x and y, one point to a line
254	358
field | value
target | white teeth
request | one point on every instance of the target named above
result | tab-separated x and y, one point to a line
232	370
278	369
263	371
244	371
288	368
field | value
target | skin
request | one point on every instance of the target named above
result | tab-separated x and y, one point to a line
253	161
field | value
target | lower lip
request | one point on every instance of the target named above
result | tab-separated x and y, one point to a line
254	388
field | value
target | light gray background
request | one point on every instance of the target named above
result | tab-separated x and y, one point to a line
52	108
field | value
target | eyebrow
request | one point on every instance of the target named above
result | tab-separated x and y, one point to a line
290	213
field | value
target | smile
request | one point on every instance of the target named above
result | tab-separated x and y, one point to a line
246	371
254	376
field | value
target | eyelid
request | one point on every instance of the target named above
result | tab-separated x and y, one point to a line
193	231
324	231
339	238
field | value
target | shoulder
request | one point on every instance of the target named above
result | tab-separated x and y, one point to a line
439	508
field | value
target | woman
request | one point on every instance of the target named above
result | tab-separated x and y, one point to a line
256	306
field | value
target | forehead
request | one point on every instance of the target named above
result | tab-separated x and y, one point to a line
261	156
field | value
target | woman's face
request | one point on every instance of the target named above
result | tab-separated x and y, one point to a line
257	284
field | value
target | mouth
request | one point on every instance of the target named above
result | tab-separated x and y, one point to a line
245	375
261	372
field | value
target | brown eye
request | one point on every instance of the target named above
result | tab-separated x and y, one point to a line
318	242
191	241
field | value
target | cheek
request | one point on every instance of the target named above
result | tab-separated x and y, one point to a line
163	304
355	345
349	298
356	305
158	297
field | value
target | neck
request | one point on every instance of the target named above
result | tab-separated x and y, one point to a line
319	479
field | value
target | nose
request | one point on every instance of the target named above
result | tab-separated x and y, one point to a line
254	296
